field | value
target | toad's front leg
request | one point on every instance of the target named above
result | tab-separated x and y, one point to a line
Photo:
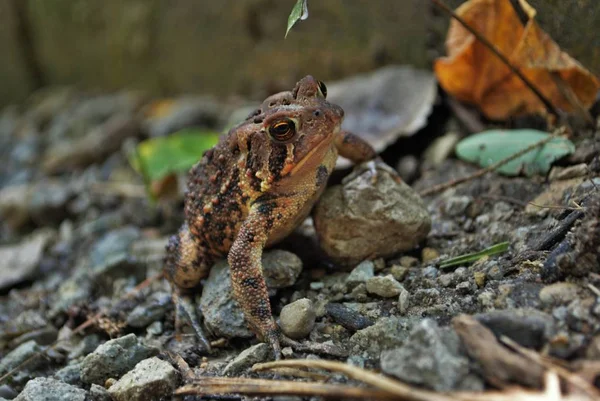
249	287
359	151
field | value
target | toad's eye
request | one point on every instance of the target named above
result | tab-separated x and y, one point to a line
282	130
322	89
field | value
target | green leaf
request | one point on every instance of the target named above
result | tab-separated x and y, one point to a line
158	157
472	257
489	147
299	12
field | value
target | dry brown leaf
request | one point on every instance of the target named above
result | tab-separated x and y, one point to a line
472	73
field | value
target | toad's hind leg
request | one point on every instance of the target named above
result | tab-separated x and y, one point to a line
249	287
185	266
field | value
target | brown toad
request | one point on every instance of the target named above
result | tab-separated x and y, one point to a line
251	190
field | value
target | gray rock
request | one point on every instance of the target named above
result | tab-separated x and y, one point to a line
456	205
387	333
151	380
46	389
70	374
113	358
113	244
298	318
359	219
20	262
528	327
429	357
361	273
558	293
248	357
151	310
384	286
222	314
99	393
15	357
94	146
403	301
27	321
281	268
45	202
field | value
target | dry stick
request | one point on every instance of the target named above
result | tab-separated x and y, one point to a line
488	169
79	328
549	106
262	387
381	382
572	378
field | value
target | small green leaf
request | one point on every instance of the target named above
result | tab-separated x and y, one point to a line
299	12
489	147
472	257
158	157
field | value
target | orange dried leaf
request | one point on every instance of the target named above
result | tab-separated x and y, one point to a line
472	73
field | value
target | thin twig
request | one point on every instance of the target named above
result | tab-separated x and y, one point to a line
441	187
525	204
549	106
381	382
256	387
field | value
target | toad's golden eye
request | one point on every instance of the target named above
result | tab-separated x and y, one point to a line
322	89
282	130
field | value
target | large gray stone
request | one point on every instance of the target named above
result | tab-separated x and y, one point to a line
113	358
46	389
151	380
430	357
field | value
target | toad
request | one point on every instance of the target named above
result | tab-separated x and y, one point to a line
253	189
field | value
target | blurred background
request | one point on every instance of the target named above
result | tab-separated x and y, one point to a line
235	47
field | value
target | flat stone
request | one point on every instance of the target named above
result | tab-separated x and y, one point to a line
384	286
430	357
248	357
386	333
46	389
151	380
113	358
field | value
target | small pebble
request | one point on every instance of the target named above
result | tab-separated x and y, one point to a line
558	293
317	285
399	272
403	301
360	274
409	261
429	254
479	279
386	286
298	318
346	317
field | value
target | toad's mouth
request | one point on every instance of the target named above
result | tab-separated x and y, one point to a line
318	148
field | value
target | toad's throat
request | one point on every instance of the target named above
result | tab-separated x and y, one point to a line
319	147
